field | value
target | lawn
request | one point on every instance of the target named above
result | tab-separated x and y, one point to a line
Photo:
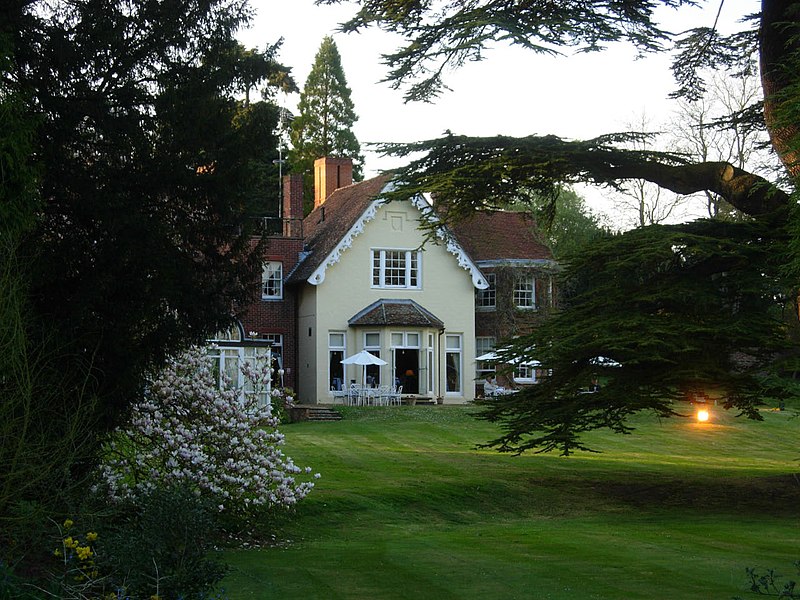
407	507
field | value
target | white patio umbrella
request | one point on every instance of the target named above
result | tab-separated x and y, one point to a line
493	356
364	358
604	361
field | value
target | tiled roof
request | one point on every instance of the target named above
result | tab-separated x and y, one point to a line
326	225
486	236
501	235
395	312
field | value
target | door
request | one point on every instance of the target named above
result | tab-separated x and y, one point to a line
406	369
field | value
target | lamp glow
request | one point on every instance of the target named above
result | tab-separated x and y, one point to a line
702	415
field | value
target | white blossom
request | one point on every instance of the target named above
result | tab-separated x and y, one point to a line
219	441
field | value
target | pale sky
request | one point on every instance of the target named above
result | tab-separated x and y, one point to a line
512	92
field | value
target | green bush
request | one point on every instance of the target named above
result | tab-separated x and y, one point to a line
162	548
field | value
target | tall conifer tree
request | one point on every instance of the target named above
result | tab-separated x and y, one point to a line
326	117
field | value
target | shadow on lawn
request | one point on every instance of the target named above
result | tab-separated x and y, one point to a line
777	495
553	497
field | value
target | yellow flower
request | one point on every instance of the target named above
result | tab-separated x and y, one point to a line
70	543
83	552
91	536
155	597
57	552
68	523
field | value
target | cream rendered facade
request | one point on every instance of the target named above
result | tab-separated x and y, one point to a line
442	360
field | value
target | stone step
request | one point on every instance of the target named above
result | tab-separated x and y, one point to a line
314	413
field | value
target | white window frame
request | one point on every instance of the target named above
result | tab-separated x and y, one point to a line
525	292
336	348
375	350
228	360
406	342
412	269
484	344
487	299
276	347
272	277
456	349
525	373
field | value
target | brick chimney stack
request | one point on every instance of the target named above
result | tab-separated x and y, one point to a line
292	208
330	174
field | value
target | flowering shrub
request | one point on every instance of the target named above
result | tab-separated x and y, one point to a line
80	571
219	441
282	399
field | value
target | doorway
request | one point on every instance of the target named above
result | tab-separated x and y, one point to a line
406	369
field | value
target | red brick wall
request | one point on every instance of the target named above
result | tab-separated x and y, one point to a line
263	317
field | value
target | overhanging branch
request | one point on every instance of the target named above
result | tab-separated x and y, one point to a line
467	173
749	193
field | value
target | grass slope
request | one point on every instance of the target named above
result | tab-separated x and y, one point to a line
408	508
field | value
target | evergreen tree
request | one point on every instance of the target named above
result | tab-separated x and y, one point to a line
326	116
139	242
679	308
568	229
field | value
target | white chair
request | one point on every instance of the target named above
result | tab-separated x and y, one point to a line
369	396
395	395
354	394
338	394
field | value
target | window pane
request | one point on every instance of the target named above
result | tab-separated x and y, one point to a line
395	268
397	340
453	361
336	340
272	280
395	272
230	367
376	268
525	292
412	340
374	371
336	369
372	340
453	342
487	298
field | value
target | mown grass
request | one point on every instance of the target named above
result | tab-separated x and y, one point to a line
407	507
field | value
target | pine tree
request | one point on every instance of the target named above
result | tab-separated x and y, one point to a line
327	114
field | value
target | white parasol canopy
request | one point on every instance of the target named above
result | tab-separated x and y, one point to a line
604	361
493	356
364	358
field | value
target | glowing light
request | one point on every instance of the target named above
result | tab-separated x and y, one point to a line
702	415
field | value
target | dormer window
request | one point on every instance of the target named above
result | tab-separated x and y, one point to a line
396	269
272	280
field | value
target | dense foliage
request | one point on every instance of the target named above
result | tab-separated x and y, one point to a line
680	308
659	314
128	175
130	166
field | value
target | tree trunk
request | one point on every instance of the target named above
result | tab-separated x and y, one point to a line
779	45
